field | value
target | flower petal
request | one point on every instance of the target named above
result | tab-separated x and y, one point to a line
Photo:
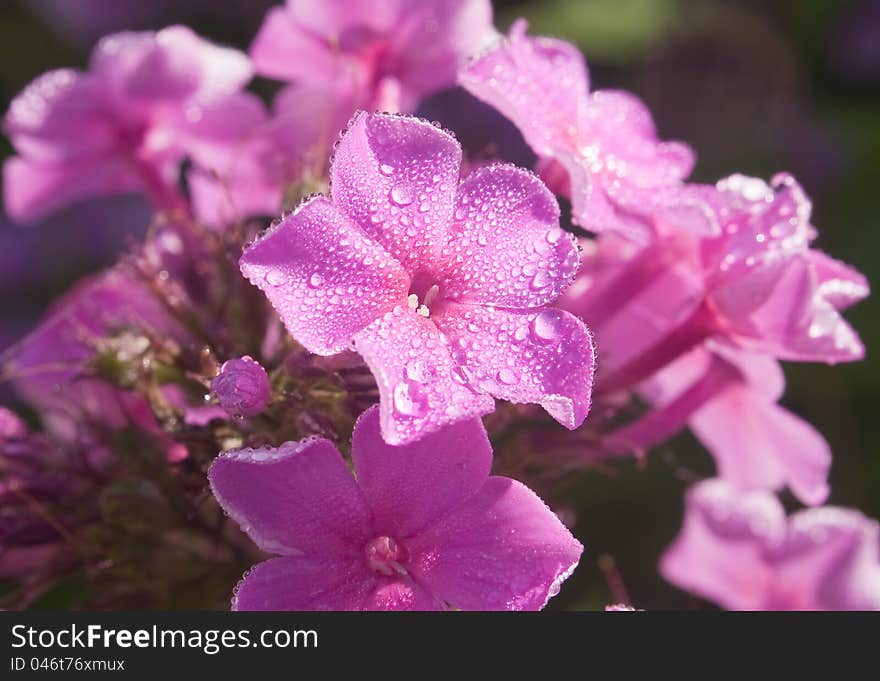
505	245
414	485
33	190
324	277
421	388
62	114
839	284
396	177
502	550
170	64
540	84
308	583
719	553
286	51
297	499
544	357
830	560
759	445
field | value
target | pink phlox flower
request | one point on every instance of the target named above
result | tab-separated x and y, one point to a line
740	551
440	284
600	148
392	54
148	100
419	527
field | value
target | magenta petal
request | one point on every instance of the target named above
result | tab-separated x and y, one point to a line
298	498
543	357
32	190
323	582
505	244
421	388
326	280
502	550
396	178
414	485
719	553
760	445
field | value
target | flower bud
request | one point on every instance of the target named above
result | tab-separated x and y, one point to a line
242	387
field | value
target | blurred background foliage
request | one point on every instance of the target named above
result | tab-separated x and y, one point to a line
756	86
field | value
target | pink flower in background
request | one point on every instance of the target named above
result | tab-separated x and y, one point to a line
147	101
290	147
742	552
729	398
420	527
53	367
601	148
391	53
242	387
441	286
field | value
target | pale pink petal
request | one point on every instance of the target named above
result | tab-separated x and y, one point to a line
436	38
62	114
216	134
168	65
285	50
759	445
503	549
396	178
505	246
325	278
411	486
830	560
297	499
541	84
839	284
421	388
719	554
622	125
776	309
543	357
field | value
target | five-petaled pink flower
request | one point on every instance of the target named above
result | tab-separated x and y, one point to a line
147	101
392	54
600	148
421	527
742	552
440	285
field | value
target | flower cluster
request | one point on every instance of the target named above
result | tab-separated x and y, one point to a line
340	309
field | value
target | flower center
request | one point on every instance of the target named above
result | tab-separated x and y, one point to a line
385	556
423	293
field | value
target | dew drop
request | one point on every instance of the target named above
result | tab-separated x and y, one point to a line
276	277
409	400
316	280
400	195
547	326
507	377
386	169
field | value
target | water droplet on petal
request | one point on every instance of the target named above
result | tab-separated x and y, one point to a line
276	277
400	195
547	326
409	399
316	280
386	169
507	377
